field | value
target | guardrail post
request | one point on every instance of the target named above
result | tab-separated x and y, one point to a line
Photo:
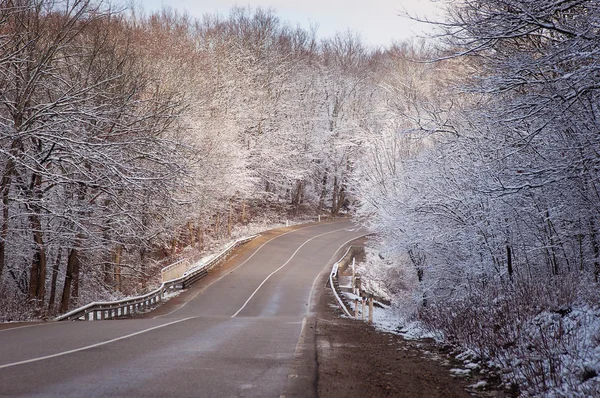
363	307
370	309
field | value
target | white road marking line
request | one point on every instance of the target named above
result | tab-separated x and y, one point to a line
233	270
300	342
8	365
286	263
25	326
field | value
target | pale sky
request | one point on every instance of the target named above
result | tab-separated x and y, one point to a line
377	21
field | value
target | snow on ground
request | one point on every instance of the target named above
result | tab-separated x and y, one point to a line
169	294
460	372
390	319
479	385
558	350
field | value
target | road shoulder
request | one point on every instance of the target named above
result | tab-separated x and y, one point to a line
356	360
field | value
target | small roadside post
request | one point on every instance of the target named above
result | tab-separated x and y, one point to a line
370	309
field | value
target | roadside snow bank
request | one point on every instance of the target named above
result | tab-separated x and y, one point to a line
557	354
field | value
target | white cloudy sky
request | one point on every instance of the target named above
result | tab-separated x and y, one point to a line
376	20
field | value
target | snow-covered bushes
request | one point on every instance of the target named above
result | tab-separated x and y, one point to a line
543	335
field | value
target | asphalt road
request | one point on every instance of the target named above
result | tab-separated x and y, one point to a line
246	332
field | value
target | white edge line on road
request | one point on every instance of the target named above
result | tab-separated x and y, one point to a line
301	339
233	270
284	264
8	365
24	326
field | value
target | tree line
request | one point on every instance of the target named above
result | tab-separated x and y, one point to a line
125	136
486	191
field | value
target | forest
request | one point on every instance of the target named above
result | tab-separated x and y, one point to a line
473	156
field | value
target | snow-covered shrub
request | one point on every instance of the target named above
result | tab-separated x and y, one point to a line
544	335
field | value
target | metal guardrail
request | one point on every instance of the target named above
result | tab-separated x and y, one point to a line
333	281
130	306
175	270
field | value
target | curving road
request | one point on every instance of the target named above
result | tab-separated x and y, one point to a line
246	332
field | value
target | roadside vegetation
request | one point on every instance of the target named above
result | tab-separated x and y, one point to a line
485	195
129	139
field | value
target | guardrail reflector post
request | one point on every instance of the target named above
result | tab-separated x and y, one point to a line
363	308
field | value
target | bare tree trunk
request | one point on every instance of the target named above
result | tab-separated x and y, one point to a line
323	192
5	188
200	236
66	295
334	197
37	277
190	227
339	196
117	266
553	258
143	266
509	264
76	281
243	219
173	246
55	270
298	194
595	249
229	219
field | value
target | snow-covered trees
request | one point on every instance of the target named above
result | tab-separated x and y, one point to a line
126	136
509	161
487	184
83	142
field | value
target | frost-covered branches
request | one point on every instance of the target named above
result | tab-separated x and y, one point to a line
83	138
125	137
491	175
